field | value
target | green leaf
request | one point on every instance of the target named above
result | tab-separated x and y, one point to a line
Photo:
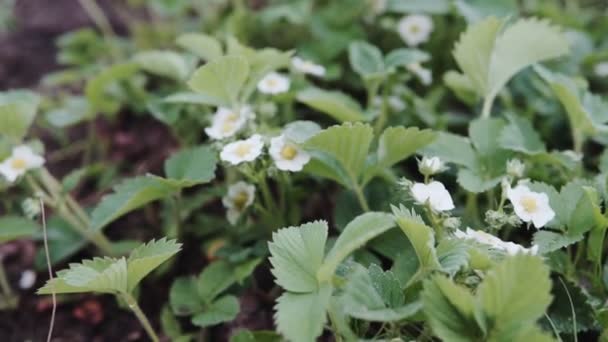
163	63
221	80
98	88
422	239
519	135
300	131
450	310
473	182
366	59
560	310
216	278
452	255
17	112
202	45
147	257
507	300
483	133
300	316
222	310
491	57
336	104
105	275
189	97
195	165
549	241
403	57
15	227
73	111
398	143
297	254
131	194
452	148
418	6
184	298
359	231
348	144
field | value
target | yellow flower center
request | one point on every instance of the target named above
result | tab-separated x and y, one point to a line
414	29
18	164
272	82
232	117
227	126
240	200
288	152
243	149
529	204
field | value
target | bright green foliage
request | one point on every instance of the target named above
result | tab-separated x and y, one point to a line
549	241
452	255
215	279
520	136
223	309
403	57
300	316
192	166
297	254
451	148
419	6
375	295
75	110
490	55
110	275
99	89
202	45
336	104
422	239
163	63
300	131
366	60
221	80
17	112
360	230
512	297
15	227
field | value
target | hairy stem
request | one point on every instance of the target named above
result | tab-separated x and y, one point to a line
132	303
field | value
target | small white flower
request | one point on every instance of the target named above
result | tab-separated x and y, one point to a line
21	160
433	193
226	122
415	29
273	83
574	156
240	196
531	206
601	69
515	168
308	67
430	166
287	155
424	75
243	150
396	103
484	238
27	279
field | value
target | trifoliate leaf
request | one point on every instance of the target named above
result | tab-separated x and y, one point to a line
297	254
348	144
224	309
192	166
15	227
508	301
336	104
202	45
519	135
450	310
163	63
214	279
105	275
366	60
221	80
549	241
184	298
300	316
145	258
422	239
360	230
17	112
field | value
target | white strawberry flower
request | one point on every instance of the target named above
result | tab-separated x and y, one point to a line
601	69
273	83
240	196
243	150
433	193
286	155
423	74
430	166
226	122
530	206
415	29
307	67
21	160
484	238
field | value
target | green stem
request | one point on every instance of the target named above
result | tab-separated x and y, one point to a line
487	107
177	213
132	303
6	287
361	197
101	21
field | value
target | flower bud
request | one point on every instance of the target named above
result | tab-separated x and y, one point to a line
515	168
31	208
451	223
430	166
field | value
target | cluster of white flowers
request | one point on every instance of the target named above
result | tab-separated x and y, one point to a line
530	206
434	194
227	122
484	238
307	67
239	197
415	29
273	84
21	160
